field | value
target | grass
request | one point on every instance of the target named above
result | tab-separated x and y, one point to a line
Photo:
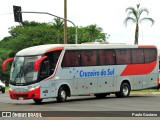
7	89
147	91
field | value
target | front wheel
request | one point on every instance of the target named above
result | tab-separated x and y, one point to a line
124	90
62	95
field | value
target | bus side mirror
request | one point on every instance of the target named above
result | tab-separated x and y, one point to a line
38	62
4	65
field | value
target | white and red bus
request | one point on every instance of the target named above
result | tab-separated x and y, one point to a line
61	71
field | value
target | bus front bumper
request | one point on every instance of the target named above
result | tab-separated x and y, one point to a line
34	94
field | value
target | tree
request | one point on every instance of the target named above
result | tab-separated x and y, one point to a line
30	34
58	25
93	32
33	33
134	15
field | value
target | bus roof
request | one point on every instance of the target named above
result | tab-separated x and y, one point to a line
41	49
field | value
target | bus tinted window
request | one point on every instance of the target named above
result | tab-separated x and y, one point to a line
48	65
71	59
89	58
102	57
110	57
77	58
106	57
137	56
123	56
150	55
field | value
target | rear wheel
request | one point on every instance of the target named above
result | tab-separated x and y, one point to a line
37	101
62	95
124	90
101	95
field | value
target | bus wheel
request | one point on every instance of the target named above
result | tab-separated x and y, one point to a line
102	95
124	90
62	95
37	101
3	90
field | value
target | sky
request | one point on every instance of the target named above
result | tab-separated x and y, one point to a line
107	14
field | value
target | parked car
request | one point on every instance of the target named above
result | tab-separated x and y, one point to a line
2	87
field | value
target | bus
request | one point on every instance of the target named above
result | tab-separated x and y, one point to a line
63	70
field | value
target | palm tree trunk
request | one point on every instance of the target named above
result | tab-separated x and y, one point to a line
136	35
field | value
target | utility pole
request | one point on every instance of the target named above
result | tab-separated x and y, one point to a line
65	21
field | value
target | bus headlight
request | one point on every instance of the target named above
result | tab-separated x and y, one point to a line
33	88
10	89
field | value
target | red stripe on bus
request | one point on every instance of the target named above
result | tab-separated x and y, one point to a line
146	46
55	49
138	69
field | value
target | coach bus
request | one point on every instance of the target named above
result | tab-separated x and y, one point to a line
60	71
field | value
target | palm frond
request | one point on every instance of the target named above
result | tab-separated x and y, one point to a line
132	11
142	10
147	19
138	5
129	19
129	9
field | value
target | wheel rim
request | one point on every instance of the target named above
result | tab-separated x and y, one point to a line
63	94
125	90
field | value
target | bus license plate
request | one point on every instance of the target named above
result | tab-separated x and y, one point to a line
20	98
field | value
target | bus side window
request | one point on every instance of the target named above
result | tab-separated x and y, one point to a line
102	57
54	59
150	55
49	64
137	56
123	56
45	69
107	57
89	58
110	57
71	59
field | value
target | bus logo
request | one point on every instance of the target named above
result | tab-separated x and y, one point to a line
92	73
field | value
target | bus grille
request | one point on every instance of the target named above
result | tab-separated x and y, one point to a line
21	95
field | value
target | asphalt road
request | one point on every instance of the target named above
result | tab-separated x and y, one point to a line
145	102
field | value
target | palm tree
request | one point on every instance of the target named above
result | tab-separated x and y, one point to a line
58	26
93	31
134	15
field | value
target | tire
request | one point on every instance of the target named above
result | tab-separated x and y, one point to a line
3	90
101	95
62	95
124	91
38	101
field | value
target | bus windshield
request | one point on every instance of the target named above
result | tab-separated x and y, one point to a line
22	71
